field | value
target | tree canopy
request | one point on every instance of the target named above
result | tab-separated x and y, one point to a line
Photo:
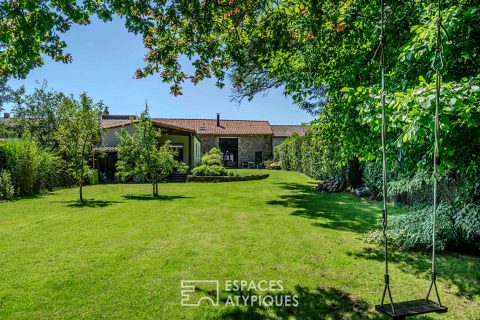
322	53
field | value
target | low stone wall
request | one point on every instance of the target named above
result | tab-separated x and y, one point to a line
227	178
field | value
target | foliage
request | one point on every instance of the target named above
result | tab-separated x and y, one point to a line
229	178
6	93
323	54
272	165
306	155
77	133
6	187
139	153
372	178
456	230
31	166
93	177
213	157
209	170
37	113
30	30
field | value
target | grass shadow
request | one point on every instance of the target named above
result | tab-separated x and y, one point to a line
457	270
89	203
30	196
338	211
150	197
320	303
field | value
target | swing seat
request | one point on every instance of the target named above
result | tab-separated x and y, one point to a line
410	308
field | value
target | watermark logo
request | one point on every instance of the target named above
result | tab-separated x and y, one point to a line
189	289
263	293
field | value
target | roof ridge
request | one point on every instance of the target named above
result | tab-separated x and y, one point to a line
212	119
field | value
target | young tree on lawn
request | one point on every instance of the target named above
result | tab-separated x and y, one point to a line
78	131
138	153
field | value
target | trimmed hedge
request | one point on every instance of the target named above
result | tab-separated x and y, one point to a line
306	155
227	178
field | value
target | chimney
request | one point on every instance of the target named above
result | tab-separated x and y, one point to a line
218	119
6	115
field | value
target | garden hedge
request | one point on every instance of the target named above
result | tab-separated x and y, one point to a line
227	178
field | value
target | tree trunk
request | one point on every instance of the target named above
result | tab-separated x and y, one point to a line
153	189
352	175
156	189
81	191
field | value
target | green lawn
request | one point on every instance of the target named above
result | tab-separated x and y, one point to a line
124	254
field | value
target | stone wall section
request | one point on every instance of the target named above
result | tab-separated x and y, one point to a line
247	145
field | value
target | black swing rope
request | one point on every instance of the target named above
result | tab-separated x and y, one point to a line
437	66
381	49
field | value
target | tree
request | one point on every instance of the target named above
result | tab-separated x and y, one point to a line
78	131
320	52
37	113
139	153
29	30
6	93
6	96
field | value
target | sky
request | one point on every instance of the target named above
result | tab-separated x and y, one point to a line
105	57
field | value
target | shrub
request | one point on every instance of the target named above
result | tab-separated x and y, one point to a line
48	171
212	158
215	151
306	155
93	176
204	159
22	161
6	186
211	171
227	178
32	167
272	165
372	177
457	230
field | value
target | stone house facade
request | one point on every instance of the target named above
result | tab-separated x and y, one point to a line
251	148
244	143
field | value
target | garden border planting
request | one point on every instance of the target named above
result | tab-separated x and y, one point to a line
191	178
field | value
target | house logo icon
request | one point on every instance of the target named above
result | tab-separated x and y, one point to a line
196	292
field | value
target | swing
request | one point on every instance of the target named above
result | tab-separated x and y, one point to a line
401	310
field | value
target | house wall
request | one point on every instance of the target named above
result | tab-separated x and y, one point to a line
277	140
197	151
247	145
109	136
185	140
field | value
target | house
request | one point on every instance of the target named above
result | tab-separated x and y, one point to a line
281	132
244	143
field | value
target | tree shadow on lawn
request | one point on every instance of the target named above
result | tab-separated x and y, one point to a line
340	210
320	303
150	197
461	271
89	203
